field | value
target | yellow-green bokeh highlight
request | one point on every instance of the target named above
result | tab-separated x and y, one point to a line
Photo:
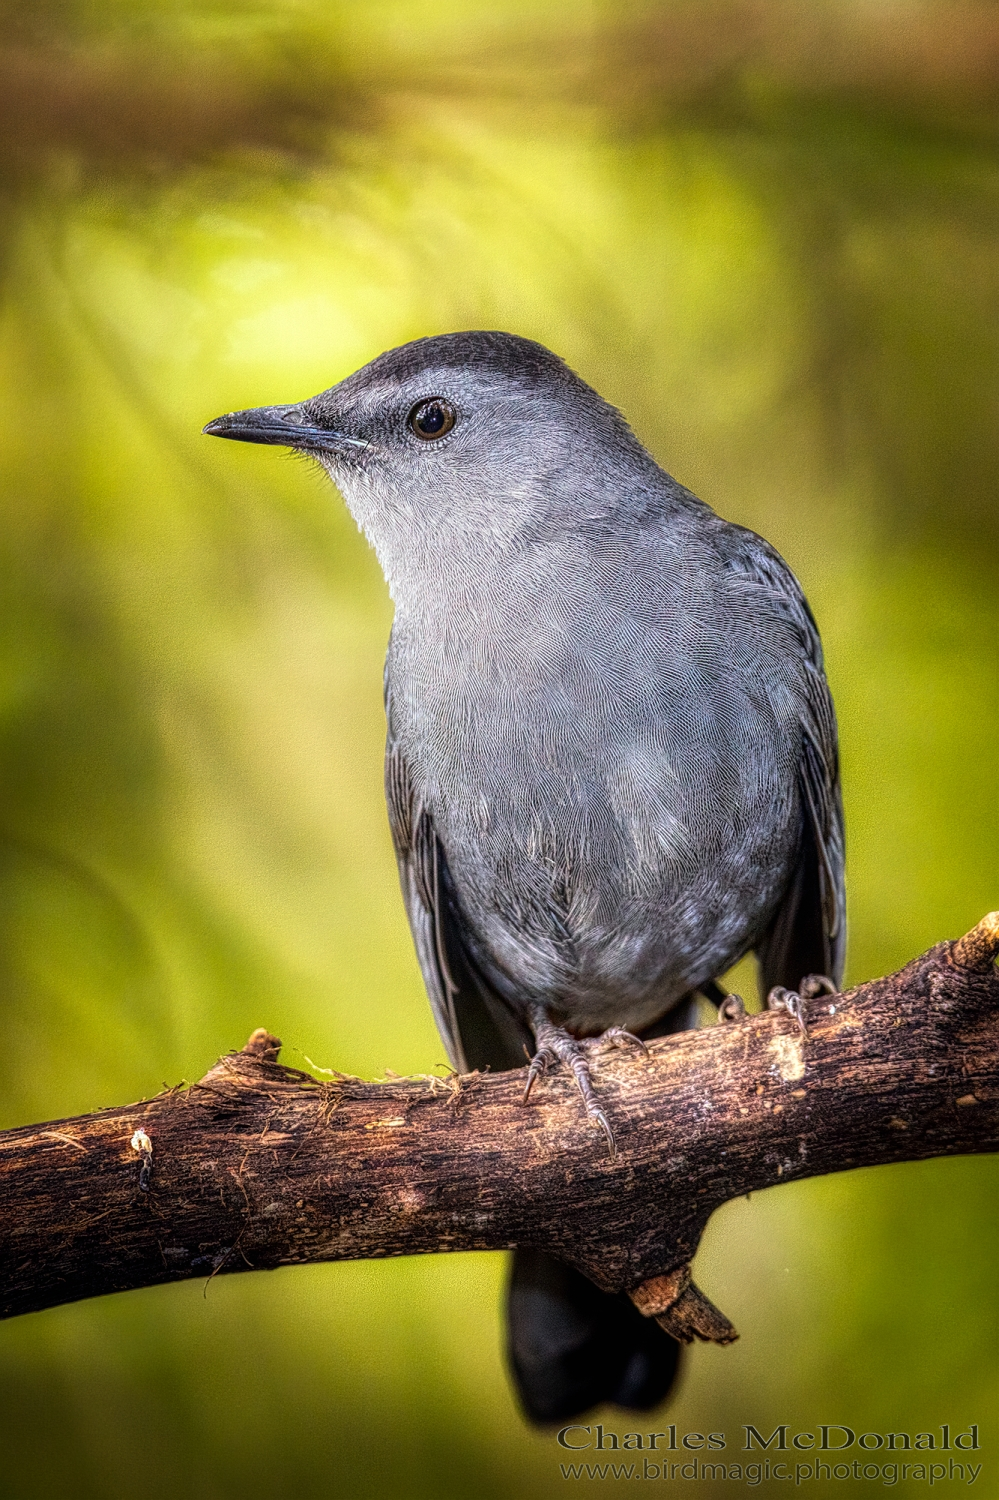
194	837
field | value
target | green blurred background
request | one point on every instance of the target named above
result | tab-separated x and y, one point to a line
768	233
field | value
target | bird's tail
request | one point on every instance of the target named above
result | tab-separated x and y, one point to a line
572	1346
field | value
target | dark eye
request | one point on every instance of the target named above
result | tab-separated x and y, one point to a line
431	419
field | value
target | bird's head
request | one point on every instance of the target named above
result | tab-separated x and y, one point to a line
455	446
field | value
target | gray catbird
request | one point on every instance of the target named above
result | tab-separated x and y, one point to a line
611	765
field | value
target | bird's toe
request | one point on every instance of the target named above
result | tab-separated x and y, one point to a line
616	1036
555	1044
814	985
790	1002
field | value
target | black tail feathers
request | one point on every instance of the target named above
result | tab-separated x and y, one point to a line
572	1346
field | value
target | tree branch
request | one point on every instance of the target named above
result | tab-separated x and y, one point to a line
258	1165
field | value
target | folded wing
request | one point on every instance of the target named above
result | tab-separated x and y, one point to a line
808	933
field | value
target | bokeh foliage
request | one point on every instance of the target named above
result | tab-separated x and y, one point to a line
767	233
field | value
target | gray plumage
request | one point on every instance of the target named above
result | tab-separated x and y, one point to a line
611	764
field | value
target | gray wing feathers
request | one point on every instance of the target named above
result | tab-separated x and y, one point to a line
808	934
477	1028
418	854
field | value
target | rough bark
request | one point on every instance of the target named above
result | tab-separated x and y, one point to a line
259	1165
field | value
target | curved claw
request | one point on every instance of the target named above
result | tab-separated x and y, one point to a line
539	1066
599	1118
618	1037
814	985
584	1083
732	1008
789	1001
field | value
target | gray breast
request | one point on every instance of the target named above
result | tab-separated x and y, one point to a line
608	748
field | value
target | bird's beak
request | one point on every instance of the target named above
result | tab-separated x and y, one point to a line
282	426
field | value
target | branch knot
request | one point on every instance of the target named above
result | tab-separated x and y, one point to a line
682	1309
979	948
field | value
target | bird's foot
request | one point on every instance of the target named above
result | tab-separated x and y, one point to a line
814	985
790	1002
616	1036
556	1045
732	1008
